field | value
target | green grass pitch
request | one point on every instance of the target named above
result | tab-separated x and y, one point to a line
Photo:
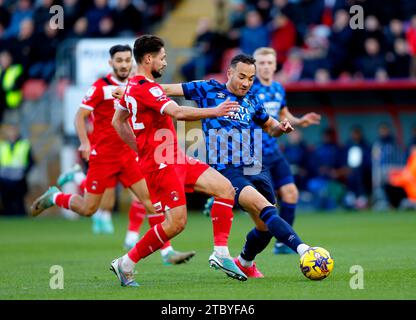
383	244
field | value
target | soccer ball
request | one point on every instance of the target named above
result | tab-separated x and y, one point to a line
316	263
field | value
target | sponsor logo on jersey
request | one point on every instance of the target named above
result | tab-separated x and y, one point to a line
174	196
156	92
221	95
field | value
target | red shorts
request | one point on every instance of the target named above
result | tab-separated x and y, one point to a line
168	185
104	174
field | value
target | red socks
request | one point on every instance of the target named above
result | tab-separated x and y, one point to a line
62	200
136	215
155	219
153	240
222	219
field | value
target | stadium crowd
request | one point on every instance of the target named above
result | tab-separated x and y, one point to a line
28	43
314	39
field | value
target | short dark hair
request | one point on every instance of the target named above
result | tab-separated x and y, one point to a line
119	48
146	44
244	58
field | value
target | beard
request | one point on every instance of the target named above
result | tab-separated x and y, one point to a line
118	72
156	74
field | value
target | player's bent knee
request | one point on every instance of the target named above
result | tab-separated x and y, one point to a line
227	191
89	210
290	194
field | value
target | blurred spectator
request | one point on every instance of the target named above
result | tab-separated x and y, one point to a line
411	39
394	31
80	29
41	14
209	46
21	47
4	18
372	29
372	62
22	11
72	11
106	28
339	43
237	14
322	76
358	154
283	37
11	81
127	18
292	67
43	57
326	186
315	51
398	61
387	144
94	15
15	163
254	34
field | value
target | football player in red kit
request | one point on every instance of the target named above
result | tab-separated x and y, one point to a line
143	120
110	159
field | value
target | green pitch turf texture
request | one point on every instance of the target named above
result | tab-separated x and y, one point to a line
383	244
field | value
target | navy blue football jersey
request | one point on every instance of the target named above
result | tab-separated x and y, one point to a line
229	139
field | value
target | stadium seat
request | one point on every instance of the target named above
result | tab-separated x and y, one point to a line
33	89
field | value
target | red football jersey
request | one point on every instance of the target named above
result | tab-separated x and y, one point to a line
155	132
105	141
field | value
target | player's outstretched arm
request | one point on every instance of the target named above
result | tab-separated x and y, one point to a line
79	122
185	113
276	128
173	89
306	120
122	126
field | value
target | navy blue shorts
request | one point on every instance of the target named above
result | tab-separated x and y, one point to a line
279	172
261	182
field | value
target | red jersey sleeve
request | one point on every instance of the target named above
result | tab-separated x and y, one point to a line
93	97
152	96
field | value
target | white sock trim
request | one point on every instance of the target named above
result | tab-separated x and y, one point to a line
55	195
245	263
224	204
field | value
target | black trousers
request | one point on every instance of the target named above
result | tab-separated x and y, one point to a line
12	197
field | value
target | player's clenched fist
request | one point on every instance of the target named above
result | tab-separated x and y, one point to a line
227	108
85	150
118	93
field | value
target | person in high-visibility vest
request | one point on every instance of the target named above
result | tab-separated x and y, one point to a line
15	162
11	81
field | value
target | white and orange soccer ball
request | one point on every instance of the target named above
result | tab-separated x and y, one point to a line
316	263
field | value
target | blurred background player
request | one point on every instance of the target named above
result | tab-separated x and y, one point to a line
96	112
273	96
142	119
254	191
